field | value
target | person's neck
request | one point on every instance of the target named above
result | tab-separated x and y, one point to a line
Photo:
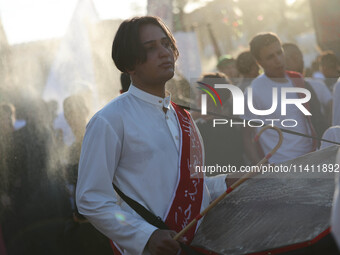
248	76
280	79
156	90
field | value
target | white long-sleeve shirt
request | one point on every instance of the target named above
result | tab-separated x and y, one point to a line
335	221
292	146
336	104
134	144
331	134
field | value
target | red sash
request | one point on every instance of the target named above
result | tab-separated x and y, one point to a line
187	200
189	192
298	81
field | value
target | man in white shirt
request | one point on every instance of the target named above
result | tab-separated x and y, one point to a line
267	50
336	104
294	62
141	142
335	220
329	66
321	99
331	134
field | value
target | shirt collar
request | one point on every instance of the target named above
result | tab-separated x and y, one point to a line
152	99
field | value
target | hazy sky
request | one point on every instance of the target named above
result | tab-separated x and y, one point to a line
29	20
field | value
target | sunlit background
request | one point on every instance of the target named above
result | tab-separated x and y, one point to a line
37	35
39	32
51	49
34	20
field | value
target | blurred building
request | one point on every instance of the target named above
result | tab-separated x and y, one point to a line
215	16
234	22
326	17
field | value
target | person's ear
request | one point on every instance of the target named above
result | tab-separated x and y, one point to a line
131	72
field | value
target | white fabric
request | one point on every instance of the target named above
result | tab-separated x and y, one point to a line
292	146
134	144
322	92
331	134
335	220
336	104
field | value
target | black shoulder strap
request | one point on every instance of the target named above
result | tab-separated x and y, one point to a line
151	218
141	210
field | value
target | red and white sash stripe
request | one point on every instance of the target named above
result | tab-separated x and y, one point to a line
189	191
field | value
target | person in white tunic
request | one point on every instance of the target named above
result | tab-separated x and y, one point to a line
331	134
267	50
336	104
335	220
294	62
137	142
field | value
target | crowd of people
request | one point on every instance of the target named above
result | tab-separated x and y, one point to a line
283	68
39	171
38	176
